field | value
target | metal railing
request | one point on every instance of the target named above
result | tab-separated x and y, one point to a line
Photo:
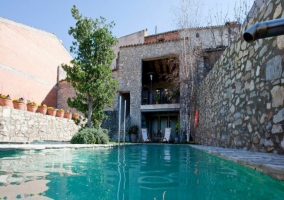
163	100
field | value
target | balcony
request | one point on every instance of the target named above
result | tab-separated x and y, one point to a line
160	107
160	87
159	100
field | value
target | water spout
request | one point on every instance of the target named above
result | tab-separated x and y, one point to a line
264	29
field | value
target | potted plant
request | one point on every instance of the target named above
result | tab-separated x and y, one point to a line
76	116
19	104
133	131
176	130
42	109
173	95
59	112
157	97
5	100
32	106
68	114
51	111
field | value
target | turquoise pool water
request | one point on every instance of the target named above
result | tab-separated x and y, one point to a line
154	172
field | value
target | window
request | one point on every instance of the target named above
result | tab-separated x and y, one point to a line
206	62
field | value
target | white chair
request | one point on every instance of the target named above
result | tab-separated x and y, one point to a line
167	135
145	137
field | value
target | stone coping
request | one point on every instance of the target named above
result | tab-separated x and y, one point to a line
268	163
10	147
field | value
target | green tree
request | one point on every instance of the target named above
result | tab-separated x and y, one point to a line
90	73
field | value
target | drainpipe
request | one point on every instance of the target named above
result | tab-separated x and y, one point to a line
264	29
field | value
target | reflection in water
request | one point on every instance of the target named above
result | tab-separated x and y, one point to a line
129	172
121	171
35	189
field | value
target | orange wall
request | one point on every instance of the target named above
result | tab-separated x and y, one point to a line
29	59
30	88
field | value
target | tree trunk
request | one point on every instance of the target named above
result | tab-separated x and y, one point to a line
90	109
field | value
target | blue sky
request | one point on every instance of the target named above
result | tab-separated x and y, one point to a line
129	15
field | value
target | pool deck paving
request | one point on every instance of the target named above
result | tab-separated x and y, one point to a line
268	163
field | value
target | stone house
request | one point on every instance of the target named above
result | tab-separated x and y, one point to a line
29	61
143	71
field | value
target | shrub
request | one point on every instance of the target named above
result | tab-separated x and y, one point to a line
83	137
133	129
90	136
102	136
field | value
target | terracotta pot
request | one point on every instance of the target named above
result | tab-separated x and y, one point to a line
133	137
75	116
67	115
51	112
31	108
173	100
6	102
42	109
59	114
19	105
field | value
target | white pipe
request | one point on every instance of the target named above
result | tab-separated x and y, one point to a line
119	120
124	121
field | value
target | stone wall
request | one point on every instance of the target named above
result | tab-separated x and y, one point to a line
241	99
211	37
134	38
23	126
111	124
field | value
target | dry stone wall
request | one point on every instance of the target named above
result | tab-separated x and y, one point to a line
23	126
241	99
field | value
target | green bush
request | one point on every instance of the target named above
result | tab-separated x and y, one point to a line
90	136
133	129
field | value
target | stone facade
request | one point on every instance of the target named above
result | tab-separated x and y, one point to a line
130	71
131	58
23	126
111	124
212	37
241	99
134	38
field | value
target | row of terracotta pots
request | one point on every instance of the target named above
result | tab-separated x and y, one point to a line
58	113
33	108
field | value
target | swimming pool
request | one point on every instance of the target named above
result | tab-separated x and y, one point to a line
130	172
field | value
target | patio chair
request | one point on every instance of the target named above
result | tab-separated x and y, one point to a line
145	137
167	135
